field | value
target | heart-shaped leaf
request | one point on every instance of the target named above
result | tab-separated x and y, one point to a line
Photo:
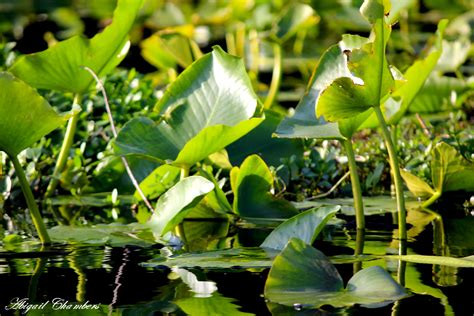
251	184
59	67
25	116
302	275
209	106
305	226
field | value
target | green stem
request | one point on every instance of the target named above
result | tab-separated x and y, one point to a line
431	200
276	77
392	153
184	173
30	200
356	190
64	153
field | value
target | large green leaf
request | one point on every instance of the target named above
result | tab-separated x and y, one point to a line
251	184
59	67
25	116
302	275
209	106
371	78
305	226
173	205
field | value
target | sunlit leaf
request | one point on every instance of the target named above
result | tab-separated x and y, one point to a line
209	106
467	262
213	305
160	180
251	184
416	185
25	116
298	16
305	226
59	67
302	275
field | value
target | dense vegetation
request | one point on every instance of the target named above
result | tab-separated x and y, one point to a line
240	112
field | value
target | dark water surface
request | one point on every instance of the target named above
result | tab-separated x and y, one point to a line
113	281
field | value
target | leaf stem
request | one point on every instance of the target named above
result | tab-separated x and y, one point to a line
355	182
431	200
30	200
276	77
64	153
393	159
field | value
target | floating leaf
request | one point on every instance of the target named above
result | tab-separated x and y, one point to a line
244	258
59	67
173	205
305	226
467	262
113	234
214	305
209	106
25	116
302	275
251	184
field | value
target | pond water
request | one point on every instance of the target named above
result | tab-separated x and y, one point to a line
115	281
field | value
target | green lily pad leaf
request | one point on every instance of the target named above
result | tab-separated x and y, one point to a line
209	106
167	50
59	67
251	184
305	226
302	275
244	258
298	16
173	206
25	115
113	235
213	305
259	141
467	262
416	185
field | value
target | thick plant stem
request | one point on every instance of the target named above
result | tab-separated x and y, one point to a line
30	200
276	77
431	200
356	191
397	178
64	153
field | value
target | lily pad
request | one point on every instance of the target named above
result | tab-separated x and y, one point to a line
209	106
213	305
25	116
302	275
59	67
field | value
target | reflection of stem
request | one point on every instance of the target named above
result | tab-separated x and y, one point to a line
33	287
64	153
81	277
392	153
402	265
114	131
359	249
117	283
356	190
276	77
30	201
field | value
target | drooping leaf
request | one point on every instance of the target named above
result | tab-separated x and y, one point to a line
259	141
209	106
113	235
59	67
305	226
25	116
416	185
251	184
173	205
302	275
